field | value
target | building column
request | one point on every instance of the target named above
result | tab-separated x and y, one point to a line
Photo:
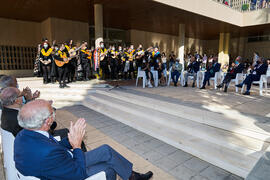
98	10
224	43
181	40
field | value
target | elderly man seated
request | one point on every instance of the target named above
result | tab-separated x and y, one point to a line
193	68
256	71
236	67
211	70
37	153
11	101
176	71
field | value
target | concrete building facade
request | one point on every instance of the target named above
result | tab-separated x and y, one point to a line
203	26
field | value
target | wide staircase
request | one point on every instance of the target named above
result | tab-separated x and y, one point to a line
230	140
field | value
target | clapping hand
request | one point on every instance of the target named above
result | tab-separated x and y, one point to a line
76	133
27	93
36	94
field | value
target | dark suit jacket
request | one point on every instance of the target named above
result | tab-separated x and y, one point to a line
194	67
239	68
260	70
36	155
9	121
215	68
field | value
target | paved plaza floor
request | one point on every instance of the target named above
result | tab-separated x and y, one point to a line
145	151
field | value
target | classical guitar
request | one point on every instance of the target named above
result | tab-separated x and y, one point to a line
62	63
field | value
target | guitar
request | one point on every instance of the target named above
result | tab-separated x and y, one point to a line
72	52
62	63
102	55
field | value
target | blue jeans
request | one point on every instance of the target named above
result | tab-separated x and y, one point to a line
105	158
175	76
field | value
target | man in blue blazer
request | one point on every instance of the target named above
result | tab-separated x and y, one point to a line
259	69
37	153
211	72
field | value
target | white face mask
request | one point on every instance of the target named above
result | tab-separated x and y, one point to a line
102	45
45	46
113	49
56	49
120	49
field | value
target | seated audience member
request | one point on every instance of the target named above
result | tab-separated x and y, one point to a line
236	67
256	71
11	81
211	70
37	153
160	70
149	76
11	103
193	68
176	71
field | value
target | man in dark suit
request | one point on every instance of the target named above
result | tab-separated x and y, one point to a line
259	69
236	67
215	67
193	68
37	153
11	103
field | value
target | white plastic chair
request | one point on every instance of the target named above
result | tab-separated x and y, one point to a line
141	74
8	146
99	176
263	80
182	78
238	79
191	78
216	79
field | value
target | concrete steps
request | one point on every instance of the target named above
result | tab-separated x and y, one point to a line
236	151
230	120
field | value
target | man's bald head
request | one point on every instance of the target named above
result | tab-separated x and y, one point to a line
34	114
9	96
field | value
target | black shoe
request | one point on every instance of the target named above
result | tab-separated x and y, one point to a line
239	85
175	84
226	88
186	85
193	85
219	86
138	176
61	86
202	87
247	93
66	86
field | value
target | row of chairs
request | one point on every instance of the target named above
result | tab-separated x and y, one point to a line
218	78
11	172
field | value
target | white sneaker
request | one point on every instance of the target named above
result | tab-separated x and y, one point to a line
149	84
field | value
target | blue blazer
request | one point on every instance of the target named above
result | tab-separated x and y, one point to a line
36	155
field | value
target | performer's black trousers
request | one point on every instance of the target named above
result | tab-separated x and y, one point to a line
62	73
46	72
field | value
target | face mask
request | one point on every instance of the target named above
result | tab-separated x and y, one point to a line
131	48
113	49
56	49
144	61
45	46
102	46
120	49
236	62
23	100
